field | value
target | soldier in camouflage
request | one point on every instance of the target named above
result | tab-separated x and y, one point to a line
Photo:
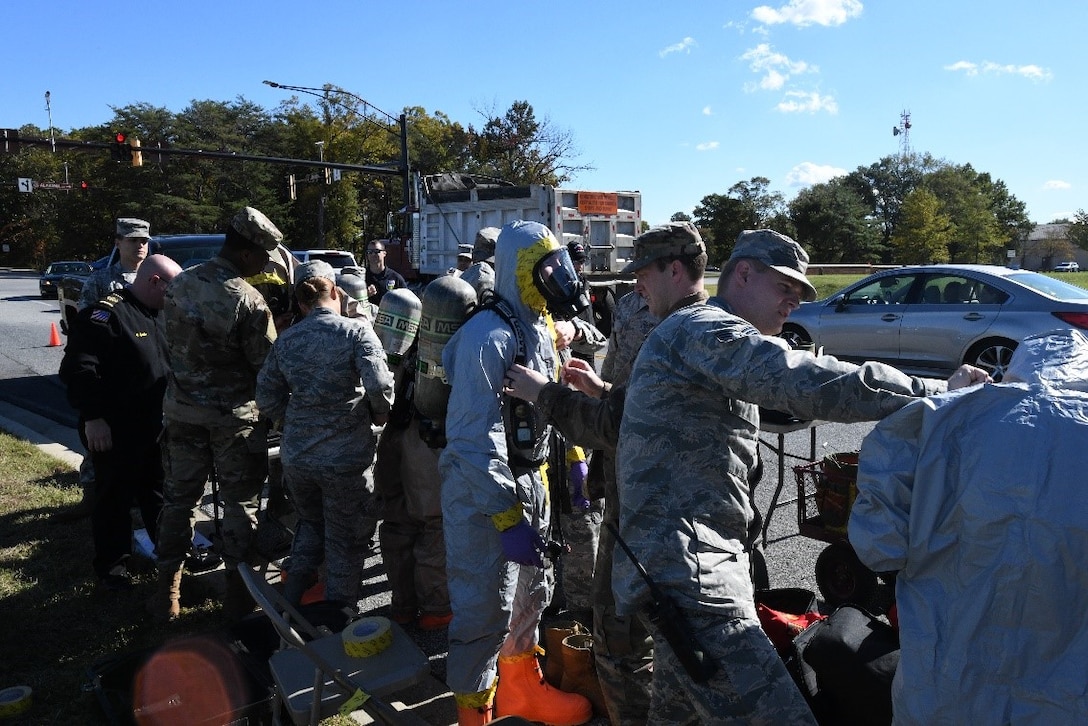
218	332
132	239
310	381
688	445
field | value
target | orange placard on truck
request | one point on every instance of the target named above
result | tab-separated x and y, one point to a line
606	203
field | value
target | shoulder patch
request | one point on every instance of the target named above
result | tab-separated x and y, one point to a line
98	315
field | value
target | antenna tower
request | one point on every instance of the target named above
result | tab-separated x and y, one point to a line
903	132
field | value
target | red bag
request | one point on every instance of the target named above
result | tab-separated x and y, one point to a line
784	613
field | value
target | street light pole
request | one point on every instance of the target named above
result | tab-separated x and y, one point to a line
321	205
401	121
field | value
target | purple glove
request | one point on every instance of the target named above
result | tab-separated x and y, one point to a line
523	544
579	470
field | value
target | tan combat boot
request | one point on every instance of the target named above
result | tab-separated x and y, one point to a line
553	648
579	672
165	604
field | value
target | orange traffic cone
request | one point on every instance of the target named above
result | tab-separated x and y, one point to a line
54	335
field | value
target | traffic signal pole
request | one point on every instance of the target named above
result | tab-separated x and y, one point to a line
12	142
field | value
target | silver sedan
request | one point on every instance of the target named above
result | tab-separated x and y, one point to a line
929	319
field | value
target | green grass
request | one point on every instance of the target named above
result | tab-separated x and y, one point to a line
56	621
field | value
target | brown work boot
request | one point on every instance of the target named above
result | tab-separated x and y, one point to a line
554	635
524	692
165	603
579	672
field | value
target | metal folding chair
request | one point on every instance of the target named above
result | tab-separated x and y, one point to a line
315	677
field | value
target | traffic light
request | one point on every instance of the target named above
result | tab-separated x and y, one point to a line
83	187
137	155
291	186
118	150
10	139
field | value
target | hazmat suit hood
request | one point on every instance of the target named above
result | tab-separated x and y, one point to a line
534	273
1058	359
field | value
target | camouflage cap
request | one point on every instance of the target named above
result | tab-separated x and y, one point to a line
484	248
257	228
132	227
777	251
675	239
464	251
577	251
314	268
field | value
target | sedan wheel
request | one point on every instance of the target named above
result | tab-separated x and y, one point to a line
992	356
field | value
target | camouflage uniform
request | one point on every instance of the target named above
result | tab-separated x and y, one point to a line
688	444
409	489
310	382
102	282
218	332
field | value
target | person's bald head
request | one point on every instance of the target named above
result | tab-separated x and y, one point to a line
152	278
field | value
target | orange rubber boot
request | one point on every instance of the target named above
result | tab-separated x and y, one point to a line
475	709
524	692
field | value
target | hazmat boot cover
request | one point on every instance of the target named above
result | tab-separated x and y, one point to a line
524	692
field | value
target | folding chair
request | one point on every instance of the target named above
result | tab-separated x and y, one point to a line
315	677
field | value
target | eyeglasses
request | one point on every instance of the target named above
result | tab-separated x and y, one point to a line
374	252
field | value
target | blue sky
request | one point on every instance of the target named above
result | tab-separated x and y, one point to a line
677	100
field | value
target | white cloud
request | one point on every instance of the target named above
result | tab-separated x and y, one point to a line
809	12
1031	72
684	46
706	146
806	174
1057	184
775	68
802	101
707	111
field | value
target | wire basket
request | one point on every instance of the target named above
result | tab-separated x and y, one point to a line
830	484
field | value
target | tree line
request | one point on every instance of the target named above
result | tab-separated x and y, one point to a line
911	209
901	209
189	194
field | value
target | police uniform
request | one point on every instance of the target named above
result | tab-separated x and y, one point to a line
687	446
115	368
384	281
310	382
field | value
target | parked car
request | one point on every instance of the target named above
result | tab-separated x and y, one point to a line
336	258
1067	267
927	320
49	282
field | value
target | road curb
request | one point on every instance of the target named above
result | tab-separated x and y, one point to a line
54	439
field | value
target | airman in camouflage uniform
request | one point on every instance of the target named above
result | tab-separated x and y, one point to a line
218	332
310	382
688	443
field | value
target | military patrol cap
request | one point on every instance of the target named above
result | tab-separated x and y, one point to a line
484	248
777	251
464	251
257	228
314	268
132	227
675	239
